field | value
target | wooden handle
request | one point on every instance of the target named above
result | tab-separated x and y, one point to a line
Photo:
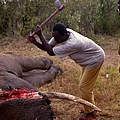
46	20
49	18
52	15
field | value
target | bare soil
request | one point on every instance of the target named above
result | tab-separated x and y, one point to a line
63	109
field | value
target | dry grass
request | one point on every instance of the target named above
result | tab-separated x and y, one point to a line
107	91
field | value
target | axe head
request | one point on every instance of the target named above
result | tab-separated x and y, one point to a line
58	4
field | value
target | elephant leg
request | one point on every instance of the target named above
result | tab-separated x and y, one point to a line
11	81
38	79
29	64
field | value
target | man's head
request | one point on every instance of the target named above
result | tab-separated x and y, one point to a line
60	33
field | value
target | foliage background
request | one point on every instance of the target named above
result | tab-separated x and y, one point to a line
89	17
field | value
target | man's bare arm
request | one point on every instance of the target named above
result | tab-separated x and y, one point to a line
34	41
44	46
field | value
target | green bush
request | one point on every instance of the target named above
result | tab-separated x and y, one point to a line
86	17
105	19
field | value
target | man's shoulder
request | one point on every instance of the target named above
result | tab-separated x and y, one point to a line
74	32
70	30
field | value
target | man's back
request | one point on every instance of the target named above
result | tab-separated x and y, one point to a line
81	49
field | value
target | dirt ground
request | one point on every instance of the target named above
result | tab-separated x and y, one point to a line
65	110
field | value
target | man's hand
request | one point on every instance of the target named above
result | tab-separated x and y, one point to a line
31	38
38	30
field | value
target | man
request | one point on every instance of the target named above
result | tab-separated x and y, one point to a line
24	72
85	52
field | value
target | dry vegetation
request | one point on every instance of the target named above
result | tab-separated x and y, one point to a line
107	91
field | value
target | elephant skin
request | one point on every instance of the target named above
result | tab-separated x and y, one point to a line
26	109
26	72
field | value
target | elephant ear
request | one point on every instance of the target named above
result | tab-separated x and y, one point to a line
25	109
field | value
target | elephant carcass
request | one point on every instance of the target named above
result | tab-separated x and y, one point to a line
24	72
17	104
26	109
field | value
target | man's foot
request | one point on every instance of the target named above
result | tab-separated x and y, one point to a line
88	116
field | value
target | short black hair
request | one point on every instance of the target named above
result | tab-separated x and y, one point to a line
61	28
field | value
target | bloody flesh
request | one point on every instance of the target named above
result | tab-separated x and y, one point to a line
16	93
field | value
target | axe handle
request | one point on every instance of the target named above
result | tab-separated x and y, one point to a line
49	18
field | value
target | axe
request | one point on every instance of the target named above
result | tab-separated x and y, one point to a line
59	8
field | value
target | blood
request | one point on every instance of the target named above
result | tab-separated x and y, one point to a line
16	93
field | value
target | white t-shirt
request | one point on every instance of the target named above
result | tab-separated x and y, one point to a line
82	50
